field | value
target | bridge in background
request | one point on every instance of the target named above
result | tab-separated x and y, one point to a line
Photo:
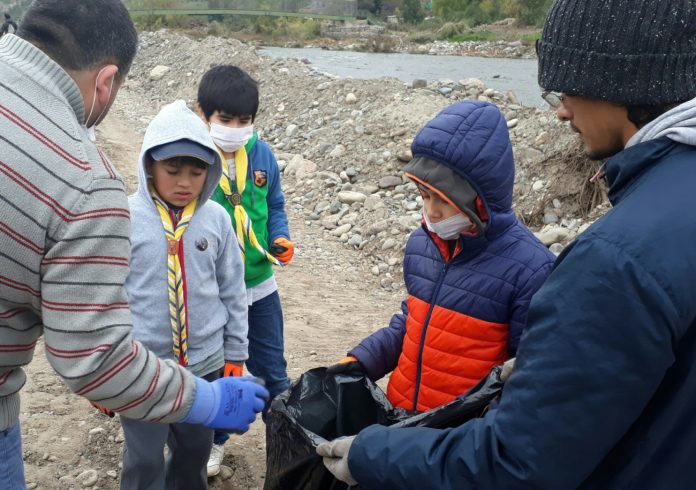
315	9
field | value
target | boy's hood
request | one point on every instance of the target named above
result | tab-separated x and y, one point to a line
465	154
176	122
471	140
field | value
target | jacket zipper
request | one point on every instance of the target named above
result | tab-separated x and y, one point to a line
419	365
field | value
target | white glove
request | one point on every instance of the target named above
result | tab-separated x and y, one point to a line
335	454
508	366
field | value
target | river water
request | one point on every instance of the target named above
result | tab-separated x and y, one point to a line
502	74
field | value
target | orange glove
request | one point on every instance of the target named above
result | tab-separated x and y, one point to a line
233	369
283	250
103	410
347	365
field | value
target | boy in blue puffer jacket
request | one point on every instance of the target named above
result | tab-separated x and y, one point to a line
470	270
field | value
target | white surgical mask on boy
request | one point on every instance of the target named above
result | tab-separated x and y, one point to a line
230	139
450	228
91	132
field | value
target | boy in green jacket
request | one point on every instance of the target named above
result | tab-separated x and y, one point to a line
228	100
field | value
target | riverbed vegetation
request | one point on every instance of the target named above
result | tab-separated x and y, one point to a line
419	21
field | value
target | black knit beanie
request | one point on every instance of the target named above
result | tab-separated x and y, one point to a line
631	52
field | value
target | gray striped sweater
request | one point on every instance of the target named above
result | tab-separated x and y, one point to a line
64	252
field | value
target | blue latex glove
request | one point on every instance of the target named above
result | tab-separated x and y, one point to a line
227	403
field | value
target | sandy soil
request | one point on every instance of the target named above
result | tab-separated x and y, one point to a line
330	302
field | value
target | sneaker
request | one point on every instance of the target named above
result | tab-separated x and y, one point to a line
216	454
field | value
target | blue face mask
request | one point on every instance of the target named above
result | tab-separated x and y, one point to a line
450	228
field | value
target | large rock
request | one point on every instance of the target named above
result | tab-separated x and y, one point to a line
389	181
306	169
349	197
329	222
338	151
373	202
404	155
355	241
528	155
553	235
300	167
88	478
388	244
330	178
159	72
378	227
341	230
291	130
473	85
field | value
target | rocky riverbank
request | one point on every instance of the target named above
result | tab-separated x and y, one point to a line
342	144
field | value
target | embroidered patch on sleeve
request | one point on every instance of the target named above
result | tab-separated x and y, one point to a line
260	178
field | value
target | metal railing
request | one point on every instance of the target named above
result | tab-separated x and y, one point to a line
317	9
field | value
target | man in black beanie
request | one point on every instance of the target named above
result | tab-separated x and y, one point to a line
603	392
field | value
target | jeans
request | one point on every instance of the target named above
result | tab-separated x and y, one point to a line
266	356
11	465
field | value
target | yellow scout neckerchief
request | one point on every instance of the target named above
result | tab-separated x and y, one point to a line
242	221
176	283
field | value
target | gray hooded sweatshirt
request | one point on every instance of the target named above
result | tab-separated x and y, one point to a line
216	295
677	124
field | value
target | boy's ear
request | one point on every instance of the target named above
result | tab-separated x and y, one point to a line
149	163
199	111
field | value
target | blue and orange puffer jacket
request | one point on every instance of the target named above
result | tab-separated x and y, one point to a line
464	313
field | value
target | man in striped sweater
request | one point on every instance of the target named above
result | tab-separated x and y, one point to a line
65	232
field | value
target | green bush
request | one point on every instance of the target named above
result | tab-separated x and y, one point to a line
412	11
451	29
474	36
422	37
214	29
531	38
528	12
305	29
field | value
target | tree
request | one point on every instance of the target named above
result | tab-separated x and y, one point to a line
533	12
412	11
377	7
450	9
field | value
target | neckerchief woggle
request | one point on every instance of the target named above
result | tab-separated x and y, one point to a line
242	222
175	280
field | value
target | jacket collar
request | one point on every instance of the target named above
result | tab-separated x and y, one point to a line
623	169
467	246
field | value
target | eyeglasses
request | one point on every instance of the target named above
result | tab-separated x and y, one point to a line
554	99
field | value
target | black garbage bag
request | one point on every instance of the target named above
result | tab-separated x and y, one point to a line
320	407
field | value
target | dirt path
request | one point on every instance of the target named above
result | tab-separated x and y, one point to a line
330	302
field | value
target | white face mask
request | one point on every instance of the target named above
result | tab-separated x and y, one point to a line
90	132
450	228
230	139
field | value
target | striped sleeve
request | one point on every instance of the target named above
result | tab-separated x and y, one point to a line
86	315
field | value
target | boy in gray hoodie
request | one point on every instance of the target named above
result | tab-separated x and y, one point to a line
186	290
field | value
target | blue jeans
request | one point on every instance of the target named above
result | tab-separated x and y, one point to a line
11	465
266	356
